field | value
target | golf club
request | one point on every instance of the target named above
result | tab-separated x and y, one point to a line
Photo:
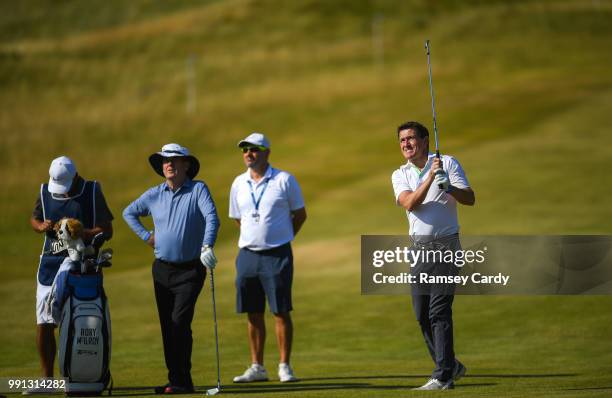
433	103
216	390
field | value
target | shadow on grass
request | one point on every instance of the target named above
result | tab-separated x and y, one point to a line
261	388
366	377
246	388
589	388
306	384
132	391
296	387
526	376
429	375
276	388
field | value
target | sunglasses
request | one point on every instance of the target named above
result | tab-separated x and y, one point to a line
253	149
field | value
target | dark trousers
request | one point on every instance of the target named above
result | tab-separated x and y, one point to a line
177	287
432	304
435	316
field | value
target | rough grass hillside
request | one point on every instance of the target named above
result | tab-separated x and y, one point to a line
522	91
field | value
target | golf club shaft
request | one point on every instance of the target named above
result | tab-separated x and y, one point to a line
212	284
433	102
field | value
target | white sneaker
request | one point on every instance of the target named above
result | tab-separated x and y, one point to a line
435	384
255	372
285	373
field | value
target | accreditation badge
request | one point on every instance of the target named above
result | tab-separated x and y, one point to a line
255	217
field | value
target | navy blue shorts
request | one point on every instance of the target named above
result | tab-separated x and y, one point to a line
261	274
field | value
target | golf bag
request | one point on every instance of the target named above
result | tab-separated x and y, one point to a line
85	328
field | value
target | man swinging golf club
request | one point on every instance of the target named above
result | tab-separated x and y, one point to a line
429	188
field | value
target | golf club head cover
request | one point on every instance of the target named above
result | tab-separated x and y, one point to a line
70	232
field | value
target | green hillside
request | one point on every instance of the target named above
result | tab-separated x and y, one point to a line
523	94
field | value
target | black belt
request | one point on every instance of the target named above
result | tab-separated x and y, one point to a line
190	263
269	251
431	243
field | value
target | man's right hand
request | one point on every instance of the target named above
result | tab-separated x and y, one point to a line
436	165
151	241
45	226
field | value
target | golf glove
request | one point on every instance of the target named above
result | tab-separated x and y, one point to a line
207	257
441	180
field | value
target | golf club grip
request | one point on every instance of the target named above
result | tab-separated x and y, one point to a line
441	168
438	156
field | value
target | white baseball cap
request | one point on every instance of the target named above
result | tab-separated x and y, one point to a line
61	175
255	139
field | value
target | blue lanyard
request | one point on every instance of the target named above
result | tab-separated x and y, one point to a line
256	201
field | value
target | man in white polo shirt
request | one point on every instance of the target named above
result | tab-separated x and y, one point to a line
429	187
268	206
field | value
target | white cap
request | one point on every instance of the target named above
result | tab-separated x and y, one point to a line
61	173
255	139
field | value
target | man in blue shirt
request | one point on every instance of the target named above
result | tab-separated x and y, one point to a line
186	225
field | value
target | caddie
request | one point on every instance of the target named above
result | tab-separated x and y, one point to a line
67	195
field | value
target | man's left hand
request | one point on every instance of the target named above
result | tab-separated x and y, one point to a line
207	257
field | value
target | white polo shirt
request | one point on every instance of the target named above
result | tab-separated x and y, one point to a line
271	225
437	215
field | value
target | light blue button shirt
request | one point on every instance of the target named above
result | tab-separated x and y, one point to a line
184	220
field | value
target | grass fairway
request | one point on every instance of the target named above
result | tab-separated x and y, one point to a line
523	92
351	345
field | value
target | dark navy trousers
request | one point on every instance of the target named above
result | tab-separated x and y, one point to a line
433	307
435	316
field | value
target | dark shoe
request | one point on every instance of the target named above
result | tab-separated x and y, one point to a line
161	389
178	390
459	370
